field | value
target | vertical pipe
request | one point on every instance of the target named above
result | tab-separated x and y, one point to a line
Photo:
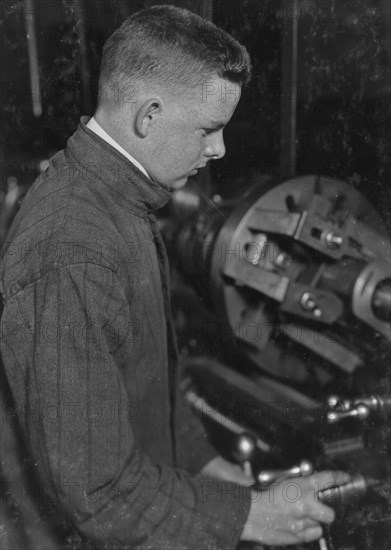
289	85
84	70
33	57
293	95
4	99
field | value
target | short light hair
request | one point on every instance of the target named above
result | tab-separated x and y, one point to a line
171	47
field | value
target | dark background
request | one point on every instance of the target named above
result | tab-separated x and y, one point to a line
341	95
327	111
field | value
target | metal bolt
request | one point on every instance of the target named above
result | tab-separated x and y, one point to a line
333	240
333	401
255	250
308	301
281	259
245	447
253	253
362	411
306	468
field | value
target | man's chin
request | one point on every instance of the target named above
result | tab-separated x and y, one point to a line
178	184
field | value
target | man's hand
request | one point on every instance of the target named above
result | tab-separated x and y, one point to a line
290	512
221	469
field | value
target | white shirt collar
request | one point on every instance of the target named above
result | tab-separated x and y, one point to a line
97	128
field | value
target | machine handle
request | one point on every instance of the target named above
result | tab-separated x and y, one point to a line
360	411
265	478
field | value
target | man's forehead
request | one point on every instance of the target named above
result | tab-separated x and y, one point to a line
212	103
212	90
220	90
216	99
219	108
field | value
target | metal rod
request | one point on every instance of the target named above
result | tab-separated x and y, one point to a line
33	57
289	83
84	69
204	408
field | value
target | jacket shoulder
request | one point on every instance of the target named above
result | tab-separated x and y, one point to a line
61	222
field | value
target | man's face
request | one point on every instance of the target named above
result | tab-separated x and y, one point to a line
189	132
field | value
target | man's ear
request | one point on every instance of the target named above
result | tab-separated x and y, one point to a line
147	116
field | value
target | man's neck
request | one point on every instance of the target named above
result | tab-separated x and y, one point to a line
98	128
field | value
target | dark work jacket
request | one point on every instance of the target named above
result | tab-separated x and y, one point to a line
86	342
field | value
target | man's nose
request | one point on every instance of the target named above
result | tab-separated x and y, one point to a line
216	147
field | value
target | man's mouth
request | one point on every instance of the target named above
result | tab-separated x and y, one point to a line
195	171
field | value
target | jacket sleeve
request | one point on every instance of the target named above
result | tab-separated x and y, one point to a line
60	356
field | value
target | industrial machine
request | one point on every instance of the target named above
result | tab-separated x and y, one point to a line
297	277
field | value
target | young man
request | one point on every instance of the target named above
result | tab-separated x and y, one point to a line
89	348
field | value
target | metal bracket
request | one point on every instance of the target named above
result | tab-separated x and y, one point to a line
295	298
313	229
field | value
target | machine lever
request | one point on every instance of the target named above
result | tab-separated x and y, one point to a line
265	478
360	411
375	403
